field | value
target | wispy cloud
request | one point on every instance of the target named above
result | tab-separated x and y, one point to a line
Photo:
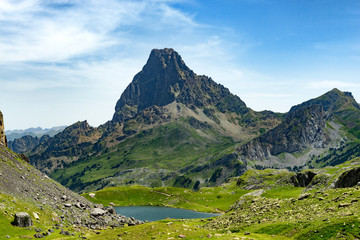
51	31
332	84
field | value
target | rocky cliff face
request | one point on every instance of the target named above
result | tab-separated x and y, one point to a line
3	140
314	125
302	128
164	79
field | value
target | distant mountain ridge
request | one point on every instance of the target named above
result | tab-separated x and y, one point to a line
23	140
173	127
34	132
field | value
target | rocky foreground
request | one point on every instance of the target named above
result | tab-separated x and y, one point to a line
28	185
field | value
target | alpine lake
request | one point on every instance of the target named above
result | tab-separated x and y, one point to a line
153	213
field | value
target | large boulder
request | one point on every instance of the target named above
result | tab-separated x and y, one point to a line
98	212
22	219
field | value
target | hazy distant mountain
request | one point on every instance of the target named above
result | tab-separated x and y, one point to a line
34	132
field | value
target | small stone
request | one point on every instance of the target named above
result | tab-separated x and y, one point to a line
38	235
304	195
330	209
92	195
66	233
209	235
67	204
36	216
78	205
246	233
181	236
344	205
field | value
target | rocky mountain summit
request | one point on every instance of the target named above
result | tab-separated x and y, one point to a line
165	79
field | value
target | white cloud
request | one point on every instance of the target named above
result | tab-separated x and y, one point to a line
41	31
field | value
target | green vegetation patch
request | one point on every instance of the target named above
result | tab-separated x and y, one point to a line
166	148
217	199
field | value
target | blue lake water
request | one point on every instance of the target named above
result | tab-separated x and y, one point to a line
150	213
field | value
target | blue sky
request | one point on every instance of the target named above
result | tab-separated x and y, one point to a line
62	61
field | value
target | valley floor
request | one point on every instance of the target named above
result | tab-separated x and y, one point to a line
272	209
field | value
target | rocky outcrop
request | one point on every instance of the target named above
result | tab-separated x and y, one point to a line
3	140
348	178
164	79
302	179
302	128
22	219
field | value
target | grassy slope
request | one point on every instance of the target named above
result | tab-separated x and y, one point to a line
169	147
216	199
10	205
277	214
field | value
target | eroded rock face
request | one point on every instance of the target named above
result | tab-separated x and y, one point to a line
302	179
302	128
3	140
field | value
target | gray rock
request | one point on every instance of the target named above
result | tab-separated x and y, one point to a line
38	235
304	195
97	212
22	219
256	193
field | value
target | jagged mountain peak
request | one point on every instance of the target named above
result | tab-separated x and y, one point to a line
165	78
165	58
155	84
